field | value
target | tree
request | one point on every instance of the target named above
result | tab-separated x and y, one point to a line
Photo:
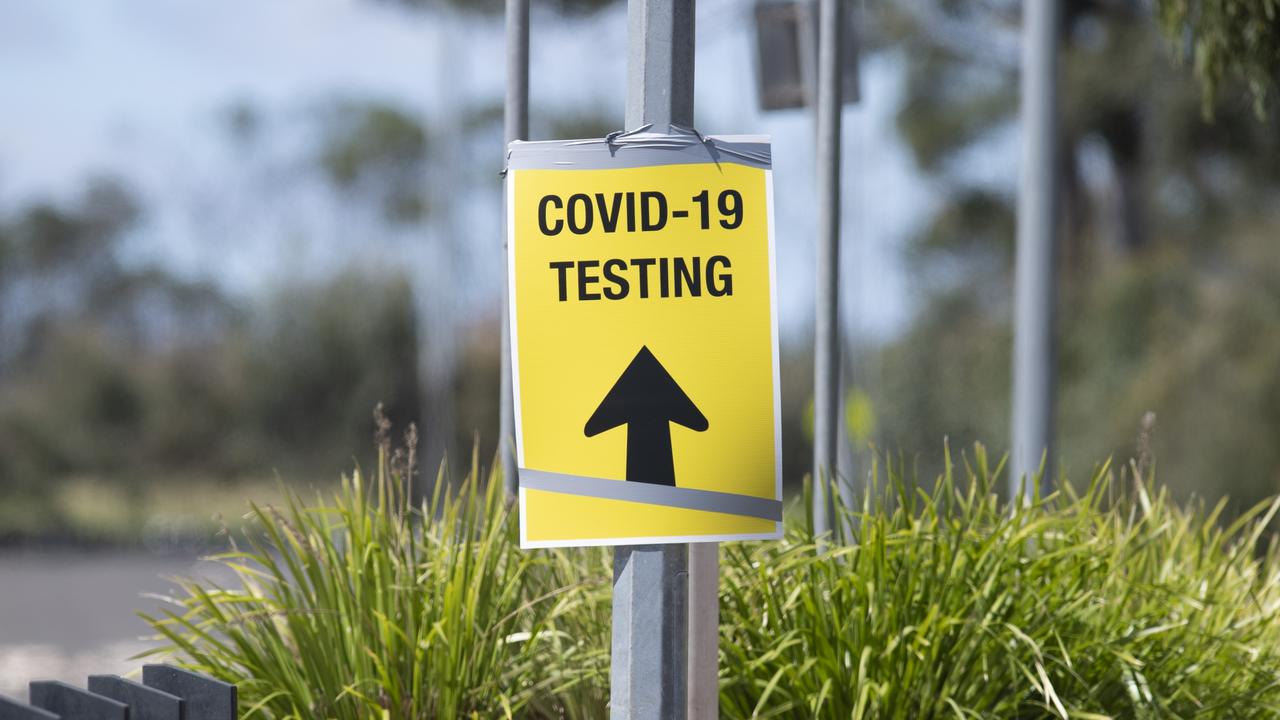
1236	40
1167	297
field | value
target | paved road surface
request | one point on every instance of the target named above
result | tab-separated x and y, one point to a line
66	615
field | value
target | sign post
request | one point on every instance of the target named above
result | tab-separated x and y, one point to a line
515	127
660	62
644	354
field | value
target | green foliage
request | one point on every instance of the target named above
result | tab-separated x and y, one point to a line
976	223
363	604
1166	291
572	126
1189	338
319	357
945	603
389	156
947	377
1228	40
1122	104
1198	349
132	376
383	150
76	396
1111	602
280	385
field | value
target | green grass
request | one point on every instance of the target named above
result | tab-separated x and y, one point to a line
363	607
946	604
1109	602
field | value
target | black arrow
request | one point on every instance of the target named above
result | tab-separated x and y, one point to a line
647	400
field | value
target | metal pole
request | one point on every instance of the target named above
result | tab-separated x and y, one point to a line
659	63
516	127
826	350
1034	272
647	675
704	631
649	671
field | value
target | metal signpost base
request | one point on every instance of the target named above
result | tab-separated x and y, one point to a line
648	679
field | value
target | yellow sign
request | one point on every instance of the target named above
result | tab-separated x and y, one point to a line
644	340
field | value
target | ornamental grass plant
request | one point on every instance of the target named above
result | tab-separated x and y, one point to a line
942	602
937	601
364	605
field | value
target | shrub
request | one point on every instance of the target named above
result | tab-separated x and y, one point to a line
366	607
1111	602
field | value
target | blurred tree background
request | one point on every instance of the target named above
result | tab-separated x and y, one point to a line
132	377
127	389
1169	283
129	393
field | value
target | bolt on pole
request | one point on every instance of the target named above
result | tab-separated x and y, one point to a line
1034	277
516	127
826	350
649	676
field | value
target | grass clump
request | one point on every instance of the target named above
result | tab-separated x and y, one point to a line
365	606
1107	602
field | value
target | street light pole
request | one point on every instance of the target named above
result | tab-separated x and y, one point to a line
1034	278
515	127
826	350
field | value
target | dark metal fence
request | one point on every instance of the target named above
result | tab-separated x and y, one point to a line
165	693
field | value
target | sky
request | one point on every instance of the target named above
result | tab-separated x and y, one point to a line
140	89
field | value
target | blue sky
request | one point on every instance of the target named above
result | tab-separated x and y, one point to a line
139	89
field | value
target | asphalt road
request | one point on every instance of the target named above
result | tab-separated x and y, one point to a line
66	615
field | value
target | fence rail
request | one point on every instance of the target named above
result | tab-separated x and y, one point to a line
165	693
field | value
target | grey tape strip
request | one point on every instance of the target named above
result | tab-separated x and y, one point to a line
709	500
639	150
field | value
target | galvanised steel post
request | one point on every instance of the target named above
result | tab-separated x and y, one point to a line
516	127
826	346
1034	278
649	673
704	631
